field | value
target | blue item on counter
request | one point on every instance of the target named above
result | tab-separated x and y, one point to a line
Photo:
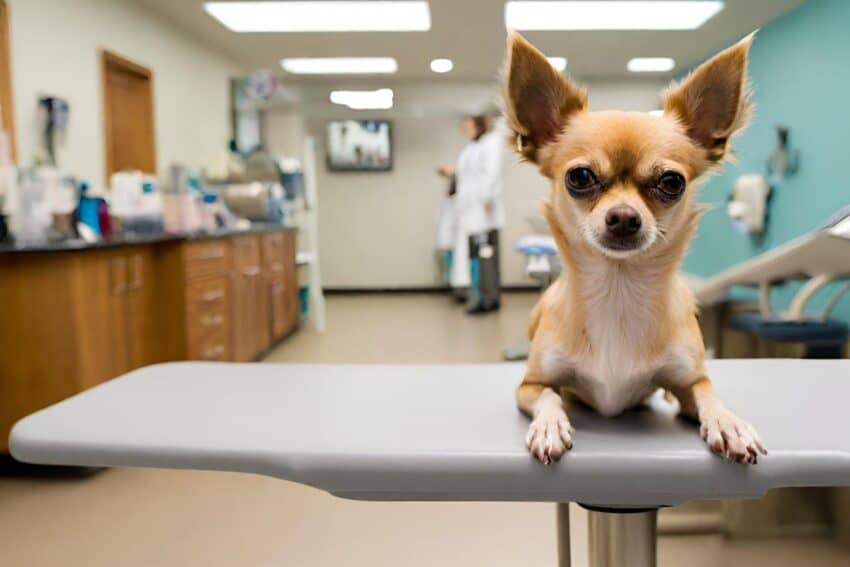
293	184
88	209
277	194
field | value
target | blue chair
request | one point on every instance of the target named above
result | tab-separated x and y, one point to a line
822	338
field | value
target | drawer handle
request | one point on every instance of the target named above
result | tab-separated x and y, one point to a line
211	296
213	352
212	320
211	254
251	272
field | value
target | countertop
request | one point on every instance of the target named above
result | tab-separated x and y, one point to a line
131	240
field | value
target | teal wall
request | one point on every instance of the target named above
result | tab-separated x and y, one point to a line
800	71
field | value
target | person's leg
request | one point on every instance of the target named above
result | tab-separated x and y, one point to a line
495	280
473	301
488	260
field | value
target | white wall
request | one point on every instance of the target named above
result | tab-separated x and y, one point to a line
55	50
377	230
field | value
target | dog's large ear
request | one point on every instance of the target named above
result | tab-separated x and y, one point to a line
714	102
537	98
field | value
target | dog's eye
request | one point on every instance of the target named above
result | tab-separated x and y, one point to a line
671	184
581	181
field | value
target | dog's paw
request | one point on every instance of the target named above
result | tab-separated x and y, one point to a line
730	436
549	436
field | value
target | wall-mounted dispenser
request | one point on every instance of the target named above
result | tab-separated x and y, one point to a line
748	203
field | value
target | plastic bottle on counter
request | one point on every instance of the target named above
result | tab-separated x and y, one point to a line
182	208
209	212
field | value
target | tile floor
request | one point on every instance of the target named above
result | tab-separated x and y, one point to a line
135	518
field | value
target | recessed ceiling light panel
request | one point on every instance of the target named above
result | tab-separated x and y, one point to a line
651	64
339	65
614	15
332	16
381	99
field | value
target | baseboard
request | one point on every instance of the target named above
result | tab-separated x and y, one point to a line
11	468
371	290
415	289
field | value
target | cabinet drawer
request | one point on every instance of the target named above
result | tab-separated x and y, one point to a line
205	321
273	252
246	253
207	293
213	346
206	258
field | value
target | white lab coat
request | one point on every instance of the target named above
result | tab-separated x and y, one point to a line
478	200
446	224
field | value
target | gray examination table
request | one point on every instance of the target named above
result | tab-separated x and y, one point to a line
452	433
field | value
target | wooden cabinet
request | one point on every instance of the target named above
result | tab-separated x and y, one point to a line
196	296
228	298
73	319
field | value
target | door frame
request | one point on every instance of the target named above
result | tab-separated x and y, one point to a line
112	59
6	68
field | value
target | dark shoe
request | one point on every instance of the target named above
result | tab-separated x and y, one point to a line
476	310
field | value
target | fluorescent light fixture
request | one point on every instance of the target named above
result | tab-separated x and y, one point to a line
339	65
657	112
442	65
381	99
650	64
334	16
559	63
614	15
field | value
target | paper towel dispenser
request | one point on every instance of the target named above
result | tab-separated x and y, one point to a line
747	206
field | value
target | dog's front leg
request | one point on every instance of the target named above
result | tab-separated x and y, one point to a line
550	433
725	433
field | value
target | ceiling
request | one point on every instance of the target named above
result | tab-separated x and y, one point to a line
471	33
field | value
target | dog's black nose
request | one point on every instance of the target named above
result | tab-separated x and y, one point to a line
622	221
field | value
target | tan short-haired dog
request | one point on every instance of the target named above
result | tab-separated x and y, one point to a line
620	324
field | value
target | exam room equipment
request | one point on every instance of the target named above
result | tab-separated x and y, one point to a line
817	259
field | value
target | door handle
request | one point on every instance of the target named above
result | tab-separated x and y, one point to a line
137	279
119	275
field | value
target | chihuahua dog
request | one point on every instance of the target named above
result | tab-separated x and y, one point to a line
620	323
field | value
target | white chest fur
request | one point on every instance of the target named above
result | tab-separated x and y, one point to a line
617	371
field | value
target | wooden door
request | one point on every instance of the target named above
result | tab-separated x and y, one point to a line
247	316
128	117
290	282
273	257
142	337
250	307
6	110
119	343
37	332
99	286
278	309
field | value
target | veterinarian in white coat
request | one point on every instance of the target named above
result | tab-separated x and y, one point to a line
480	214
